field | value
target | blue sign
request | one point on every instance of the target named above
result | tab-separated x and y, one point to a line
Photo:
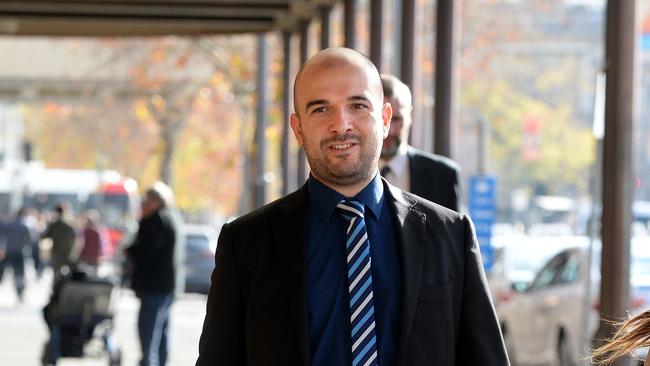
482	209
645	41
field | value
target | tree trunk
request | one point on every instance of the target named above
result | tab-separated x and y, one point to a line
170	128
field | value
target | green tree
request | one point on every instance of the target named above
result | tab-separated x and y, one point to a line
174	112
533	142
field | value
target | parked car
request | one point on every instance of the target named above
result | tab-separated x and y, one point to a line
551	320
518	257
200	247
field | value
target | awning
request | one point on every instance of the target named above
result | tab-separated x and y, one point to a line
139	17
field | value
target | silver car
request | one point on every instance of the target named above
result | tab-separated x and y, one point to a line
200	247
553	319
518	257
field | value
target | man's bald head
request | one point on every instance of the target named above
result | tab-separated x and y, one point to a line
337	57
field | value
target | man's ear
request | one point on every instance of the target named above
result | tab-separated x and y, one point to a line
386	115
296	127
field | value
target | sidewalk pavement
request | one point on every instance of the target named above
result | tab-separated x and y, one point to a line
23	331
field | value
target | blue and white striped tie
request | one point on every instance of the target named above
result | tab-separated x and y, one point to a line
362	309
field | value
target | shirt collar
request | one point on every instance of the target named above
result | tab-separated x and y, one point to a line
398	163
323	200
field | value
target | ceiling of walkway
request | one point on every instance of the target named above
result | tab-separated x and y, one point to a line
138	17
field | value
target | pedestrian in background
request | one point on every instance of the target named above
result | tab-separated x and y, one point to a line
153	256
430	176
95	240
17	243
35	230
631	335
63	236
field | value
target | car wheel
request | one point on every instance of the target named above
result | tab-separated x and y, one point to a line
563	353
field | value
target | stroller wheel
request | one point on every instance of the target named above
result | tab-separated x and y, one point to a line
115	358
46	356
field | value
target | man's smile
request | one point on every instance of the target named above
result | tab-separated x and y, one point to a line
343	147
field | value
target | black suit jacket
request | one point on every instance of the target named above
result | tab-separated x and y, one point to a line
257	307
435	178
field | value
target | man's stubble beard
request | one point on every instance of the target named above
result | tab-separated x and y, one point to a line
348	173
390	147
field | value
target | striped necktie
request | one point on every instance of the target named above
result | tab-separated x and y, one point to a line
362	309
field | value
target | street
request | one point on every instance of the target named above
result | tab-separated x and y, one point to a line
23	331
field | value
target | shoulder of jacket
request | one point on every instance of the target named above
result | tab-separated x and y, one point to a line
433	210
292	202
433	159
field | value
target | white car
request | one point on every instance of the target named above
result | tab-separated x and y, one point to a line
200	247
518	257
553	319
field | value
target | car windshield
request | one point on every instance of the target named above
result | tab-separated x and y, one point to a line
522	261
640	267
639	264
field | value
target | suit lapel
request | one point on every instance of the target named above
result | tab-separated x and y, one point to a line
411	236
414	173
422	181
289	234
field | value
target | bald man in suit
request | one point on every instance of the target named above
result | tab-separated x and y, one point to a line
348	269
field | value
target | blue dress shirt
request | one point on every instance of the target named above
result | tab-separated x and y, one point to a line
327	288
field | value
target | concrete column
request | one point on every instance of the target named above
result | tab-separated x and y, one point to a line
261	121
301	174
376	31
407	54
446	80
325	25
618	183
286	111
349	15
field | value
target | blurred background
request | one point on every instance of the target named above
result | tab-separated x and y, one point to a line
94	120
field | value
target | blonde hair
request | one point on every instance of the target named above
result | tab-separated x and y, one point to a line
631	334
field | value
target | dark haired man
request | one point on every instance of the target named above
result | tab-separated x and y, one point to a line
63	236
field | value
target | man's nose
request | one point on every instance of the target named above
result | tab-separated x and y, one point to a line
341	122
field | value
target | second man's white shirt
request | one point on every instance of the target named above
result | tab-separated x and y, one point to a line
400	173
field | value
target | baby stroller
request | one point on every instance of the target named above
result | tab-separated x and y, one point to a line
81	307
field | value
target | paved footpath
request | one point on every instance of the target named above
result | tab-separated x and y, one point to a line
23	331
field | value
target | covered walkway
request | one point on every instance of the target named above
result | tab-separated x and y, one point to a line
293	19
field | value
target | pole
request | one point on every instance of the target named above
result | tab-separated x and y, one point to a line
260	128
304	50
617	170
350	12
447	40
408	43
376	31
286	109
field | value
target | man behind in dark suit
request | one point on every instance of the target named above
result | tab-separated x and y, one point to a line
348	270
430	176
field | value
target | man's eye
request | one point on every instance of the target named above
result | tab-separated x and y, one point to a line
319	110
359	106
